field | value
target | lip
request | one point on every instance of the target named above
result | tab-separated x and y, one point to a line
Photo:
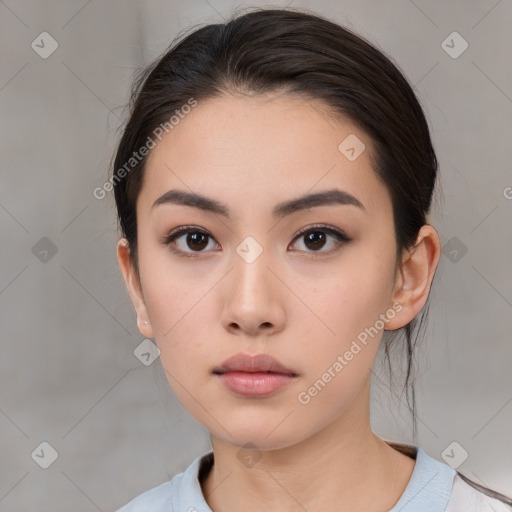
254	376
261	363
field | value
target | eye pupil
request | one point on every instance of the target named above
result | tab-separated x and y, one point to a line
317	238
197	240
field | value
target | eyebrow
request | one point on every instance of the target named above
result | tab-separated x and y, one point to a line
328	197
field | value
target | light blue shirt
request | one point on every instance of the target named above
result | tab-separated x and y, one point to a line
430	489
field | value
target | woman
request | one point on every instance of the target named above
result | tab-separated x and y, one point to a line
273	185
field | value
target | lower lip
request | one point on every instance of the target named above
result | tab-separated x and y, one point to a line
254	384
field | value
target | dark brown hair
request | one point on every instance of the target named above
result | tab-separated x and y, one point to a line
269	50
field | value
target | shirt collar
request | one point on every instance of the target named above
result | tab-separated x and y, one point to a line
430	486
428	490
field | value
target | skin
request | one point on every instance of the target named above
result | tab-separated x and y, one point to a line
302	306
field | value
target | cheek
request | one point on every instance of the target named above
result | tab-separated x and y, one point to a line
184	319
353	298
347	307
181	323
339	353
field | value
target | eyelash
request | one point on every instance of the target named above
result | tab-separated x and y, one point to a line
340	237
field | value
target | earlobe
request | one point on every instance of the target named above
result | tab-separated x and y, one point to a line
415	275
132	281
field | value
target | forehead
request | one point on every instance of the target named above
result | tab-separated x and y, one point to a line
263	149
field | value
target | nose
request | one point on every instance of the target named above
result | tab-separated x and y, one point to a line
253	305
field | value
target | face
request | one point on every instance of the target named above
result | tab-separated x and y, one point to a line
308	283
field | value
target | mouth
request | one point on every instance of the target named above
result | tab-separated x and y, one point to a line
261	363
260	372
254	384
254	376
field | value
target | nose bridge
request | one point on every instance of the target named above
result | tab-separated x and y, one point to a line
252	300
251	276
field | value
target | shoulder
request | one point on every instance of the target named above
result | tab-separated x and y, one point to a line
157	499
466	498
181	493
437	487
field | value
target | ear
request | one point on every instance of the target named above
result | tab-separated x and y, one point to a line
132	281
414	277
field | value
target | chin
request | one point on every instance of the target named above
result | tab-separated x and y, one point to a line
259	435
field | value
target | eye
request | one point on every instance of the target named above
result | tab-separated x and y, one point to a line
316	238
190	241
188	237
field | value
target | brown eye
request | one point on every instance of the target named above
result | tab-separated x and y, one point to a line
196	241
188	240
316	238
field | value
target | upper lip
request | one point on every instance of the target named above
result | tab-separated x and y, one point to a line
256	363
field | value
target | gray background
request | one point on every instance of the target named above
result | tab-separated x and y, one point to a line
68	373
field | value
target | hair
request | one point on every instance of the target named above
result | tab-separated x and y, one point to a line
276	50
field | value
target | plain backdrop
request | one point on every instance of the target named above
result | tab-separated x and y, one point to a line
69	375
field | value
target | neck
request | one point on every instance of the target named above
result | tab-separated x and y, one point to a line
345	467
